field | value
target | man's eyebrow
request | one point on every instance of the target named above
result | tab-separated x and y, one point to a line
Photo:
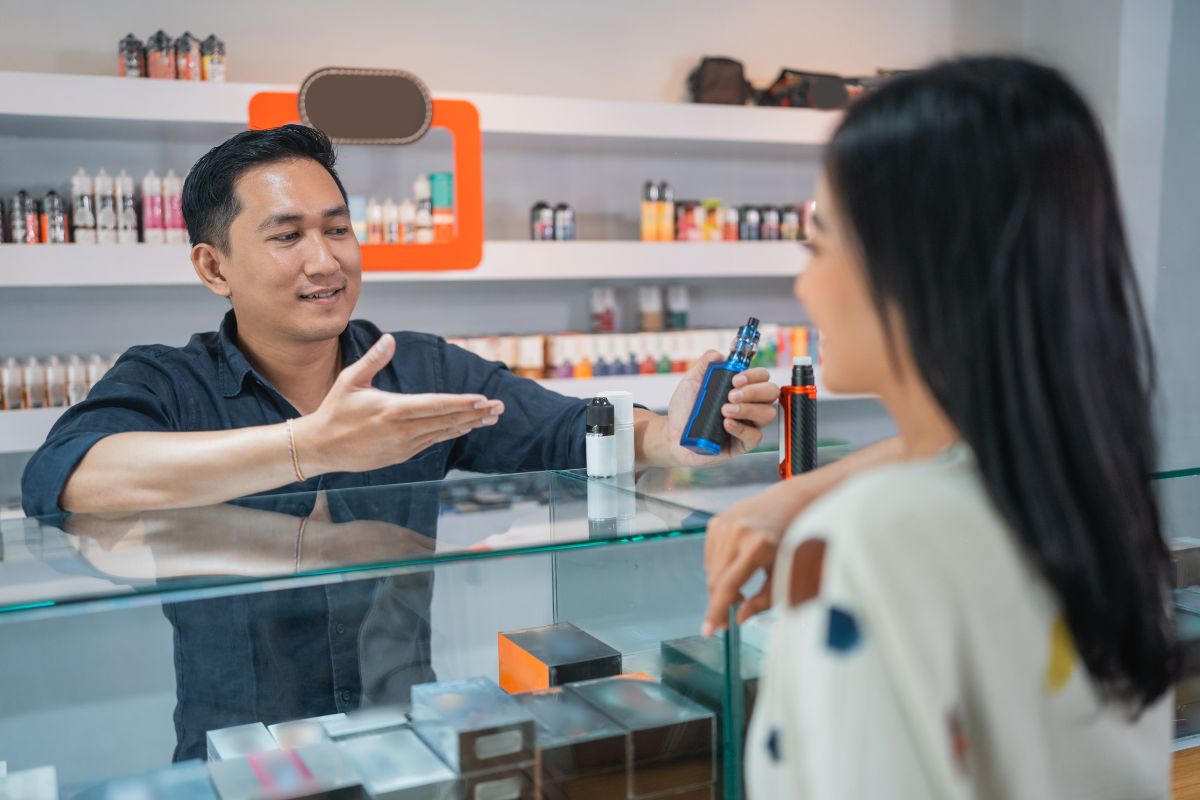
288	219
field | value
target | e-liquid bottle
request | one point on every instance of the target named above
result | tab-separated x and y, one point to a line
705	431
601	430
77	384
131	57
374	222
733	221
212	59
442	208
83	216
127	216
187	57
798	420
650	198
789	226
751	229
152	209
541	222
423	222
160	56
564	223
770	224
407	215
56	383
666	213
677	307
172	194
106	209
11	383
55	214
391	222
34	384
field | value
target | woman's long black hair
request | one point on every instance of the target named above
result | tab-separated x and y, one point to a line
980	194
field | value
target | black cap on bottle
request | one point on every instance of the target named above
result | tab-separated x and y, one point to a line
601	416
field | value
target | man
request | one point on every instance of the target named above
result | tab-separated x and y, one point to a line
290	394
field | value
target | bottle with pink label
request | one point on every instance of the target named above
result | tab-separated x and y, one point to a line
152	209
172	193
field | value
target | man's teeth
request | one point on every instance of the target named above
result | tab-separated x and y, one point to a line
319	295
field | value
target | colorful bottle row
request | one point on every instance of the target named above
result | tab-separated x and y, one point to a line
651	315
578	355
103	210
53	384
187	58
425	218
664	219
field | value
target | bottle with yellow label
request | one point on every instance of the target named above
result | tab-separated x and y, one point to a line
650	198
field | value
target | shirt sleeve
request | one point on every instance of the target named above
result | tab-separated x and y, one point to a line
860	688
539	430
135	395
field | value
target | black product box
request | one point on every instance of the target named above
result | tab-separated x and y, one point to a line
552	655
671	738
473	724
581	753
186	780
695	667
314	771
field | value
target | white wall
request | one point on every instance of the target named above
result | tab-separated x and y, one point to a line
625	49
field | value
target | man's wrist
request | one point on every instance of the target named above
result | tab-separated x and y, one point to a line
305	439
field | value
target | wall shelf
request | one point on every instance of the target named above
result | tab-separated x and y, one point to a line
70	99
24	431
73	265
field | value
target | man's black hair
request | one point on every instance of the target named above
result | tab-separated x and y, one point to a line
209	200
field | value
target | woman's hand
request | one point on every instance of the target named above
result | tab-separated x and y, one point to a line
745	537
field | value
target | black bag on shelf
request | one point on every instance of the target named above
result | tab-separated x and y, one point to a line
719	80
806	90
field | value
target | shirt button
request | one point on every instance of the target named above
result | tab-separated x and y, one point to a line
345	695
340	629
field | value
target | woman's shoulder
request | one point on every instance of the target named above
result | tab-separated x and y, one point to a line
927	512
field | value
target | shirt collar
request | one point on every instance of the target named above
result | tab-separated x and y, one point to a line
233	366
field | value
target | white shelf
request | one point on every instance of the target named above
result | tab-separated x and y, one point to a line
24	431
71	265
91	97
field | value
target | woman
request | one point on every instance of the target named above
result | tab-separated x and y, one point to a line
987	615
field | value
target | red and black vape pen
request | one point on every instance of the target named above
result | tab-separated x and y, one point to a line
798	420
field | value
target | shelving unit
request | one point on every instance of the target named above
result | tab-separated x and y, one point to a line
560	147
41	96
23	431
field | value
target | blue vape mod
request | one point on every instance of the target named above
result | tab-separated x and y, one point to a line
705	430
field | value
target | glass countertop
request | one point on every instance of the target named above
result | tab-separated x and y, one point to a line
304	539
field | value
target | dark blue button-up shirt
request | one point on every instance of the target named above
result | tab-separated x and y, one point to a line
288	654
209	385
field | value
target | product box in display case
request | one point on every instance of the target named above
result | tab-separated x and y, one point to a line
300	732
695	667
40	783
240	741
365	721
581	753
314	771
397	765
671	738
474	725
551	655
186	780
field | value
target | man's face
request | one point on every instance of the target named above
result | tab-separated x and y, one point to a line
294	269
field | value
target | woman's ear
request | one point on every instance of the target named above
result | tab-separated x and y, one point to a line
209	264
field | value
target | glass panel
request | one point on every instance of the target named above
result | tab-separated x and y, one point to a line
1179	501
293	540
131	689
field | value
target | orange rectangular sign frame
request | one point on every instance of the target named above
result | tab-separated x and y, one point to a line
461	119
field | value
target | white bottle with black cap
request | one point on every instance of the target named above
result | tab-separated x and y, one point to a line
623	405
601	439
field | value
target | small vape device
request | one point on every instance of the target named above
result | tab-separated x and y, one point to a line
705	430
798	420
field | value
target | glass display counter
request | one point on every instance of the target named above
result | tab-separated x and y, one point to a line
446	639
531	635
